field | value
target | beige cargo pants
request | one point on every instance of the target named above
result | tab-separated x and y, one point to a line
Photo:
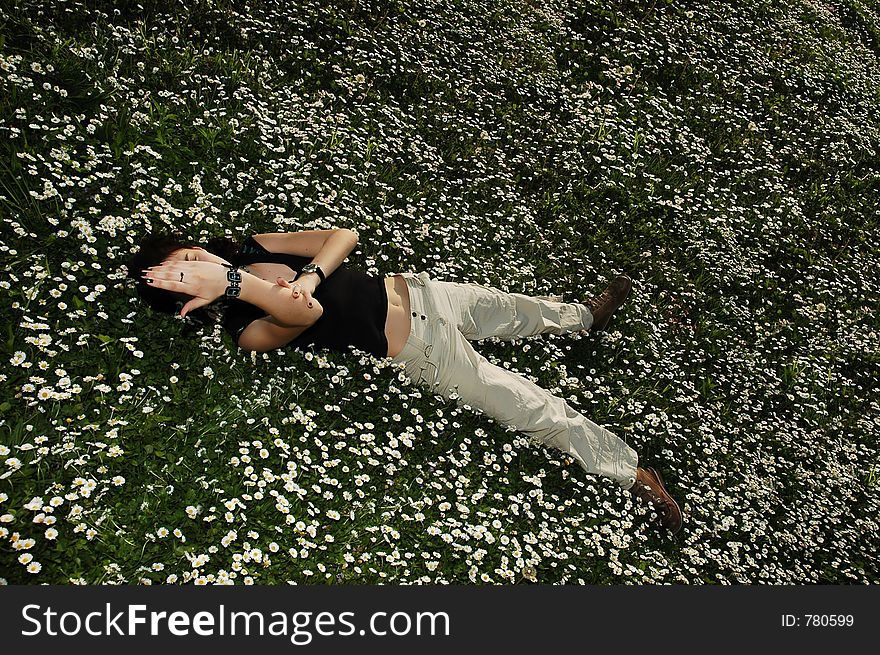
438	355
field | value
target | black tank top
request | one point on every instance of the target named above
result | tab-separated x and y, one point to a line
355	306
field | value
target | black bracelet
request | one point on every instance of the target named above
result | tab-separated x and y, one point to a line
233	275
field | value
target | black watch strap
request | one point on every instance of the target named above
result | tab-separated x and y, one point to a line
312	268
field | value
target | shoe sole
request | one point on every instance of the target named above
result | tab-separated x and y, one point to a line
657	475
600	328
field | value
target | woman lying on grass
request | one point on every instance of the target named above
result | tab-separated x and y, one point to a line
284	289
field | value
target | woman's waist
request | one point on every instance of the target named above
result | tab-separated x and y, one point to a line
398	294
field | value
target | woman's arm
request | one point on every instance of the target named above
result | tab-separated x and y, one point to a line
308	243
276	301
327	248
207	281
265	334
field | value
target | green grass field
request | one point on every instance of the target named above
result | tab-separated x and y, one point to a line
725	156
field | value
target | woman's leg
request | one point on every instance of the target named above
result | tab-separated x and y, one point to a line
439	357
481	312
452	365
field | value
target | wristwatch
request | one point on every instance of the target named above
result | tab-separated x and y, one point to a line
312	268
233	275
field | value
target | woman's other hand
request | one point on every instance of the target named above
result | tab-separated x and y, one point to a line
303	287
205	281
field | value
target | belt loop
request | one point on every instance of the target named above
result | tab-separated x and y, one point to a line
415	277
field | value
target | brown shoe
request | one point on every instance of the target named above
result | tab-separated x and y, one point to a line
649	488
607	302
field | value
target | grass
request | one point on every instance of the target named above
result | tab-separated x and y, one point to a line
724	156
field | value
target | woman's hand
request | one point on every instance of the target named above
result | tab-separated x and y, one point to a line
304	286
205	281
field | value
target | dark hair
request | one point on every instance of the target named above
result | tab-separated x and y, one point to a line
154	249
